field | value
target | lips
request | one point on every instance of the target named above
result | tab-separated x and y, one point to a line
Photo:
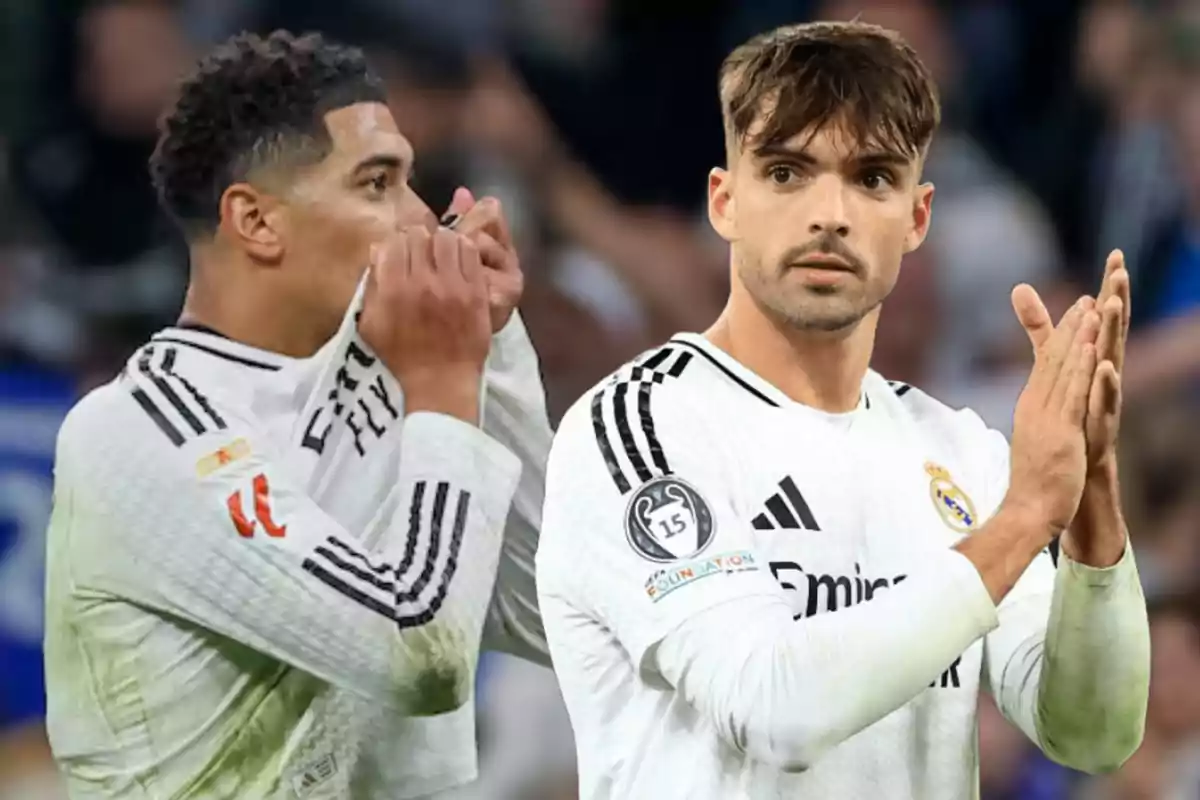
825	262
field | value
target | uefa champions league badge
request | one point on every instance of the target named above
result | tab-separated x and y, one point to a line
952	503
667	520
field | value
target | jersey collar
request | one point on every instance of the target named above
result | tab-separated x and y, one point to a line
751	381
217	345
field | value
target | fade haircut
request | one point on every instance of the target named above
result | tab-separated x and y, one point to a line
253	104
801	78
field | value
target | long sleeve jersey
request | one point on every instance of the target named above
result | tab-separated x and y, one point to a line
746	597
266	580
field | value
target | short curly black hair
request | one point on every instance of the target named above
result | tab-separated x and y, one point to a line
252	102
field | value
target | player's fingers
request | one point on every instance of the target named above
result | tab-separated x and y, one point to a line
375	265
1032	314
486	216
1125	290
1053	352
1077	326
470	258
1121	292
1110	328
475	281
1083	337
492	254
1078	388
445	255
390	264
460	204
1115	261
500	229
1096	392
420	256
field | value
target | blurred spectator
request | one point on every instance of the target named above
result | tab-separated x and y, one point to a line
81	165
1161	459
1099	156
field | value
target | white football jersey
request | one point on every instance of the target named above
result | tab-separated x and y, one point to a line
265	581
685	483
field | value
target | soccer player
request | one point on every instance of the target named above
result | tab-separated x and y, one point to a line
764	570
276	535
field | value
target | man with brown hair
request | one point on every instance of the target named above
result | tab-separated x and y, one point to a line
765	570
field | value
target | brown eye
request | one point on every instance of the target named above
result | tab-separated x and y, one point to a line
876	179
780	173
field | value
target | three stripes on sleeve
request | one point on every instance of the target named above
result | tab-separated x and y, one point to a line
390	589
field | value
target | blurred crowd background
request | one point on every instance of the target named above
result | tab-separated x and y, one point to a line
1071	128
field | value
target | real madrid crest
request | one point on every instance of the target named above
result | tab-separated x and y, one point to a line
667	520
952	503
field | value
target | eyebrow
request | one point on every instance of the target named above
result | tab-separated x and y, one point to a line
868	158
773	150
883	158
384	160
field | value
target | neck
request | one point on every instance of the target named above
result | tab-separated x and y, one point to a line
818	369
246	307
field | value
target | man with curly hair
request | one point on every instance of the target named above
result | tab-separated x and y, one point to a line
275	545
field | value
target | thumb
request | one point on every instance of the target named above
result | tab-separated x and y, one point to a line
460	204
1032	314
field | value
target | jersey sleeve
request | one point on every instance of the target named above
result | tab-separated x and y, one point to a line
514	414
640	521
207	525
1069	663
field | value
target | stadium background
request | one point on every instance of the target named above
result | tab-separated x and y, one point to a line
1070	128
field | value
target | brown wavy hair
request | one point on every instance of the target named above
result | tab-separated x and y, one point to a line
801	78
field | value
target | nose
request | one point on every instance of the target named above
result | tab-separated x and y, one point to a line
828	212
412	210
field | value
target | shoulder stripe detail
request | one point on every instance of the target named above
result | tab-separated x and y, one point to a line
656	451
168	367
165	388
625	430
388	589
606	448
728	373
657	358
631	419
680	364
158	417
173	402
212	351
899	388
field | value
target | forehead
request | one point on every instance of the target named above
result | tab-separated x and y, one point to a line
831	141
363	130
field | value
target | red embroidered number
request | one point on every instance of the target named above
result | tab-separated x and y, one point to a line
262	511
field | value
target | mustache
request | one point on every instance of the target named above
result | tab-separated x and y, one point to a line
828	243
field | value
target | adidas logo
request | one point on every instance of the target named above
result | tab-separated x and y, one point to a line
315	775
786	510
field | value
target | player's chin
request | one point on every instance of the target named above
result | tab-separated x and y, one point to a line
828	314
